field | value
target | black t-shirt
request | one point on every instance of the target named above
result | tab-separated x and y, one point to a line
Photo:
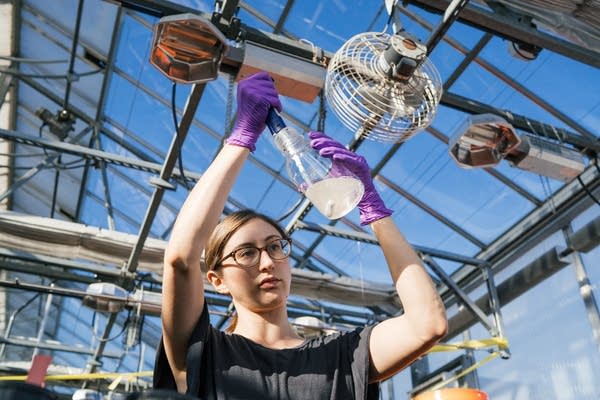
223	366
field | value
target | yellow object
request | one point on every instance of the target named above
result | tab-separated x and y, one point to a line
479	344
452	394
466	371
97	375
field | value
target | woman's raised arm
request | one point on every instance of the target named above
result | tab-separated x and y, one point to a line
398	341
183	283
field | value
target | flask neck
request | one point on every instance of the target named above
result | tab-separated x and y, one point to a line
290	142
274	121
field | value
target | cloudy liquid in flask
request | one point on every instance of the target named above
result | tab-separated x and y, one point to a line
335	197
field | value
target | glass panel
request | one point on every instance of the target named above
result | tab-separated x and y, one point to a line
310	21
541	369
470	198
361	261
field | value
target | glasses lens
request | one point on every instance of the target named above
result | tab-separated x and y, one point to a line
278	249
247	256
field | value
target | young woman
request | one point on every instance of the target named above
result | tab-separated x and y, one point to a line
247	258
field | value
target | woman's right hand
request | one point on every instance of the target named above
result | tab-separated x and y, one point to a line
255	96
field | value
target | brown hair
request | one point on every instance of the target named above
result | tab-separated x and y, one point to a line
221	235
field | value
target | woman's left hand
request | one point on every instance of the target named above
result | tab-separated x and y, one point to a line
371	206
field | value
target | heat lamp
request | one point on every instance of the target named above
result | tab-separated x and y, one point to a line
483	141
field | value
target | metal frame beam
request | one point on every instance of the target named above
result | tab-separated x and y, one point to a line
507	79
521	122
555	213
161	8
52	345
508	28
46	265
585	288
165	174
90	154
534	273
110	60
499	176
419	203
368	238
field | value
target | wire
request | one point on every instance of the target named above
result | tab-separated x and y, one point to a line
19	155
32	60
587	190
17	73
177	135
61	167
64	166
107	339
291	210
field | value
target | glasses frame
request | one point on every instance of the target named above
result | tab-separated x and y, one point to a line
260	251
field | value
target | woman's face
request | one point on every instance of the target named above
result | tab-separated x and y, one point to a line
259	288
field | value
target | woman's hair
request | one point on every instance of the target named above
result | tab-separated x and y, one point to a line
221	235
226	228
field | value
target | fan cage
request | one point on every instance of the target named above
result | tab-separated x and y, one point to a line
369	103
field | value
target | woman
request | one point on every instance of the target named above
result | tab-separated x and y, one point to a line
247	258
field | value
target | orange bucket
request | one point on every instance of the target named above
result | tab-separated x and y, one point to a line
452	394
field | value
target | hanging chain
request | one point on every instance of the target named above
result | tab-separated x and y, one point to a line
229	107
322	112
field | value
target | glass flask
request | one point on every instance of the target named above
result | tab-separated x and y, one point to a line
333	189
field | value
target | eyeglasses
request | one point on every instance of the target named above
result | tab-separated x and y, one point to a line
278	249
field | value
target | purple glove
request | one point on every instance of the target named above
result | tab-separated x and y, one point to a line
371	205
255	96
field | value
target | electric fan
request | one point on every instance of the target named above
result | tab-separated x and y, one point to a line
383	86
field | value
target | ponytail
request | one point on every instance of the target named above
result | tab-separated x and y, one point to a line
232	324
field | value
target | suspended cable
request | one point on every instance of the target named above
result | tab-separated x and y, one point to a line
32	60
589	193
291	210
73	77
178	143
109	339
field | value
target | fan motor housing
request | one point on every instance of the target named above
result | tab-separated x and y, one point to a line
402	57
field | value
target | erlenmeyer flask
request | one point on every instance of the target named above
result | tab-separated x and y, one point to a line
333	191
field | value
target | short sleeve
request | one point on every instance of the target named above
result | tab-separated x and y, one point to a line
163	376
196	355
361	364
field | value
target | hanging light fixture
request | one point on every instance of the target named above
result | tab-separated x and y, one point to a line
484	140
187	48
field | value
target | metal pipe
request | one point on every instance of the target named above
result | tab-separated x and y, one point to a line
509	81
585	288
42	327
368	238
114	40
165	173
11	321
450	15
73	54
105	186
495	308
94	361
464	298
55	188
509	28
43	164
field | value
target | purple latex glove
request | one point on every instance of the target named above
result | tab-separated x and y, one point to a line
255	96
371	206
